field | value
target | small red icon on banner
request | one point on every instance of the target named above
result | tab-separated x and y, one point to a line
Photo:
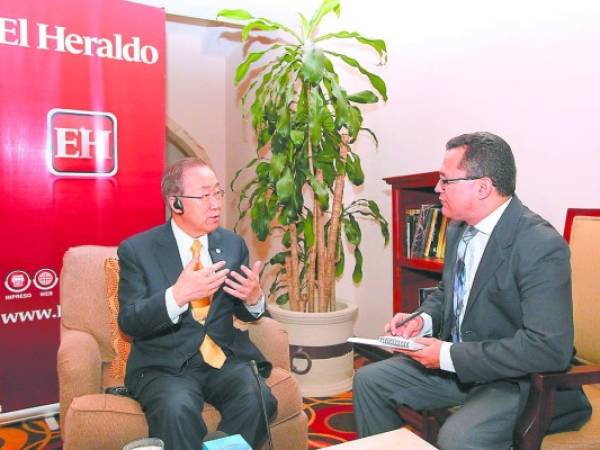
45	279
17	281
81	143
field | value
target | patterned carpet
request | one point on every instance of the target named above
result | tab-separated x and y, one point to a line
330	422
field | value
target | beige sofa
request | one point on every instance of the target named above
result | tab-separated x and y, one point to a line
91	419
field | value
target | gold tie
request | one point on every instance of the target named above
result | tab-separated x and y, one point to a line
212	354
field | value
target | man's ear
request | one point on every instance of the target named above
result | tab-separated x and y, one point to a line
485	188
176	205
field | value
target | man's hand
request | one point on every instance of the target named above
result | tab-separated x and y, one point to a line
428	356
246	288
410	329
195	284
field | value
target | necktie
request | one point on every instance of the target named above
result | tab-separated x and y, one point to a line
459	281
212	354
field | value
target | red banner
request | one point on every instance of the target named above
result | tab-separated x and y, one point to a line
82	149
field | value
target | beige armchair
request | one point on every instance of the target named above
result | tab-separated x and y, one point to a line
582	230
91	419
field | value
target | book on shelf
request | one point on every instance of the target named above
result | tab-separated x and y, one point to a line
424	236
441	243
393	342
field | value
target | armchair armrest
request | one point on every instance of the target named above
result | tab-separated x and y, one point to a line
79	367
272	340
537	416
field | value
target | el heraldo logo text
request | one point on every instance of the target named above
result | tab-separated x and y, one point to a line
82	143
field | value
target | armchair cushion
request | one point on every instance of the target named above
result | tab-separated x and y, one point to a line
121	343
587	437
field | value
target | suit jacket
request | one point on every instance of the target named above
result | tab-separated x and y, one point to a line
149	264
518	317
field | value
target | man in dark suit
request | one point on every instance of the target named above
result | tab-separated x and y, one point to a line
502	310
163	285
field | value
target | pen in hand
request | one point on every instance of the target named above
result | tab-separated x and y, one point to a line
407	319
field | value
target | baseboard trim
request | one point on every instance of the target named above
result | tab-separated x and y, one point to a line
372	353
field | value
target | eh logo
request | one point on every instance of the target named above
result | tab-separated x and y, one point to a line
81	143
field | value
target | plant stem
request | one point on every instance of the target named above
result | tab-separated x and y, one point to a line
321	250
295	285
334	228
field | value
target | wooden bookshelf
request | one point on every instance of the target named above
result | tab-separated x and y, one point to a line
410	274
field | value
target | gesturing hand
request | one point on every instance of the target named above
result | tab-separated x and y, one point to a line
195	284
246	288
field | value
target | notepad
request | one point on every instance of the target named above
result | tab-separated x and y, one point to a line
394	342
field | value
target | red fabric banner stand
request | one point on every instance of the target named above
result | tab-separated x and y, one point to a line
82	150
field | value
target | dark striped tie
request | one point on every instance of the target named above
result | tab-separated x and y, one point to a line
459	281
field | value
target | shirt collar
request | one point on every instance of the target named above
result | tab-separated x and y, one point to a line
184	240
488	223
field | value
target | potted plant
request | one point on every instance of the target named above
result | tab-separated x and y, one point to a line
306	124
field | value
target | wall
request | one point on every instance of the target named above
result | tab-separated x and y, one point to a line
527	71
196	86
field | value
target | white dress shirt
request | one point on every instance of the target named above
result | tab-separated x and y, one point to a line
473	256
184	245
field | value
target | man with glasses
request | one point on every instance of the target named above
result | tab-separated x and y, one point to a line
181	284
502	310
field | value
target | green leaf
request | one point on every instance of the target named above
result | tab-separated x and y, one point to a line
354	121
297	137
262	171
305	24
283	124
357	274
376	81
312	65
363	97
242	69
260	220
368	130
352	230
237	174
374	207
279	258
282	299
354	170
277	165
340	259
309	233
286	239
320	191
285	186
256	25
314	115
377	44
234	14
326	7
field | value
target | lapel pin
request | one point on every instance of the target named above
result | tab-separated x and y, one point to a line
218	250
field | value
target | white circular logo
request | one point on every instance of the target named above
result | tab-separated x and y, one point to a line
17	281
45	279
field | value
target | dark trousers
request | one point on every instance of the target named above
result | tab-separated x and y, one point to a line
484	422
173	403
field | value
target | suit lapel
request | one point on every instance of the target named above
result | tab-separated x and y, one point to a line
495	252
453	237
216	254
214	246
167	254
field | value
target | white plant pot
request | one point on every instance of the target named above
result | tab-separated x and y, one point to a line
321	358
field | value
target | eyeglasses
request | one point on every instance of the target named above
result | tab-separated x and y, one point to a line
446	181
217	195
